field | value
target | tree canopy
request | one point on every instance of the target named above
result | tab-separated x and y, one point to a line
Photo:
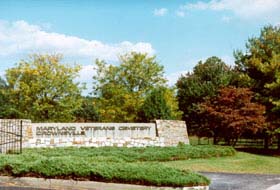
6	109
121	89
160	103
205	80
43	89
213	99
88	112
232	113
261	62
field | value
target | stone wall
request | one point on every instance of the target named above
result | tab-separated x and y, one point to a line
95	130
172	131
161	133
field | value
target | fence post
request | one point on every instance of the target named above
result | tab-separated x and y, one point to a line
20	137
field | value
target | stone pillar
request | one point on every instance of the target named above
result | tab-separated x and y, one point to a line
172	131
27	131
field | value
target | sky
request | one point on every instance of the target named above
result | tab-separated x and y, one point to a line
178	32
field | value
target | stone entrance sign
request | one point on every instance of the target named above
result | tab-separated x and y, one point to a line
95	130
160	133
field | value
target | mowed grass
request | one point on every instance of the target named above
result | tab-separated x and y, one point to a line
115	154
239	163
169	166
111	164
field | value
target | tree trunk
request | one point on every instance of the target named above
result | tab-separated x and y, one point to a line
234	141
215	140
278	141
227	140
266	141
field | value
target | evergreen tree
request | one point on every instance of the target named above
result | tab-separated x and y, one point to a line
155	106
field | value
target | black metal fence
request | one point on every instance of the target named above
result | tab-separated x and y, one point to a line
241	143
10	136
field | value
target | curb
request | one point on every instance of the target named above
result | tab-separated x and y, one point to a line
274	187
42	183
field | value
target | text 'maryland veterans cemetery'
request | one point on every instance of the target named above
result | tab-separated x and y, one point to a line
160	133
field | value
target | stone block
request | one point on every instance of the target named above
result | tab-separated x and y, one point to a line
52	142
173	132
32	141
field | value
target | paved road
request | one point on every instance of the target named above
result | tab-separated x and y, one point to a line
11	186
221	181
18	188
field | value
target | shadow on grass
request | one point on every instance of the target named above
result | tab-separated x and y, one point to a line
260	151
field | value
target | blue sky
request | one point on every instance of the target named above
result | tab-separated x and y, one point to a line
179	33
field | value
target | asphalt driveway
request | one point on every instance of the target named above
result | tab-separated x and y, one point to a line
222	181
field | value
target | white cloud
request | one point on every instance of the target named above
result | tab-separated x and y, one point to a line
21	38
229	60
173	77
85	76
86	73
180	13
226	19
243	8
190	64
160	12
198	5
2	74
18	39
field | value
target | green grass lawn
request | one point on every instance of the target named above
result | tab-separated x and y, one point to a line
112	164
167	166
239	163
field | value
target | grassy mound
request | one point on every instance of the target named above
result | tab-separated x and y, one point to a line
132	173
115	154
112	164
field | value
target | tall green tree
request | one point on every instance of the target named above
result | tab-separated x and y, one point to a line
43	89
88	112
3	98
7	109
205	80
121	89
160	103
261	62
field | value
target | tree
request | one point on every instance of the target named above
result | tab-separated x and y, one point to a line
232	113
88	111
4	102
261	62
205	80
3	98
172	102
43	89
121	89
7	109
160	103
